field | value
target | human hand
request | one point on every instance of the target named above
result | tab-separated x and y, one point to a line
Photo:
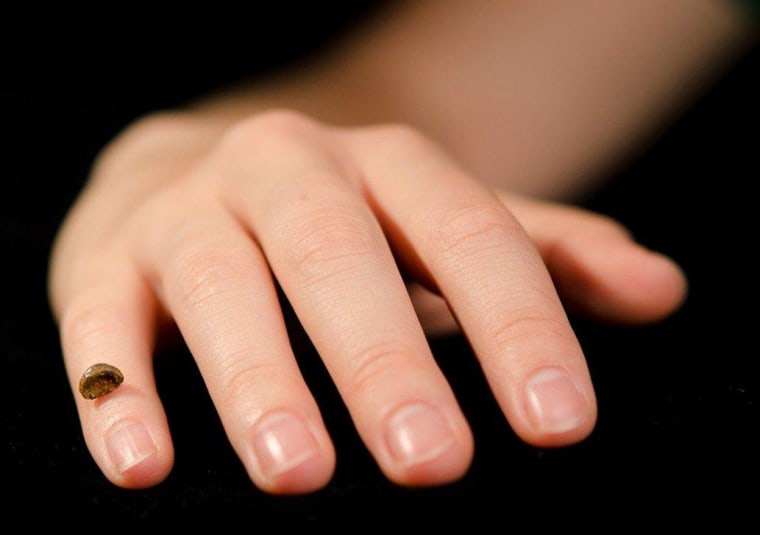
374	234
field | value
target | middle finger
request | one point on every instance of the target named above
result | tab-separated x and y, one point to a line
331	258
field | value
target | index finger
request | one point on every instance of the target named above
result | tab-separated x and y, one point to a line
450	229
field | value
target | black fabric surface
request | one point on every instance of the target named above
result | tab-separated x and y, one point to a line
679	402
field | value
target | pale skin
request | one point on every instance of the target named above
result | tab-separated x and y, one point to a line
413	182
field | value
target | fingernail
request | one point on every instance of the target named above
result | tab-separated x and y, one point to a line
418	433
554	403
129	444
282	441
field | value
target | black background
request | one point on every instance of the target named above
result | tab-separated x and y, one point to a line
679	401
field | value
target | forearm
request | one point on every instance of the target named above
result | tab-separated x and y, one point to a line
541	96
537	96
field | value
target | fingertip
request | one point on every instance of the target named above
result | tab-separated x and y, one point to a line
644	286
312	475
426	446
448	467
618	280
286	454
563	439
666	279
138	456
128	437
557	408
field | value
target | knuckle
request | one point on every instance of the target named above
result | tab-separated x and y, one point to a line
398	138
399	133
371	367
243	378
266	130
85	326
328	241
281	119
470	227
202	275
145	136
158	125
511	328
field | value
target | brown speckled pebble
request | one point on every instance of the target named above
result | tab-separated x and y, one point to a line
99	379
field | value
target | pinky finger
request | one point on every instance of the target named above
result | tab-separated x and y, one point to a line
112	321
597	267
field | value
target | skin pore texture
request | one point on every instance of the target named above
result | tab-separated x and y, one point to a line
402	185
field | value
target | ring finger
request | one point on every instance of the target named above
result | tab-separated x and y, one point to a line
216	284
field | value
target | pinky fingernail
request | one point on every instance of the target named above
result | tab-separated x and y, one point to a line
129	444
554	403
